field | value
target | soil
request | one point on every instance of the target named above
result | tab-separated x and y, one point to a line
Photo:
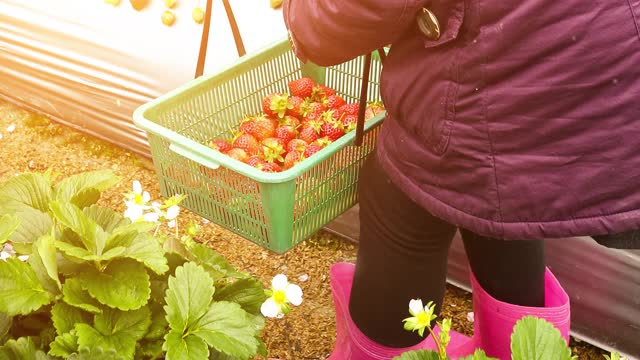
36	144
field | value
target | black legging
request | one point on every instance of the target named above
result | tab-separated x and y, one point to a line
403	255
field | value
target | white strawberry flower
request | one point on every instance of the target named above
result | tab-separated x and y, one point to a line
421	316
282	294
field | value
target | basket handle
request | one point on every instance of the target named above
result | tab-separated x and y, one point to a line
193	155
204	41
364	88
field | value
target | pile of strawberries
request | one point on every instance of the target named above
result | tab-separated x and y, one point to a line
293	126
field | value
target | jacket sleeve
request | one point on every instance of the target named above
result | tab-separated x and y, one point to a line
329	32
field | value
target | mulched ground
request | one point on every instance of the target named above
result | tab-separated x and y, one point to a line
36	144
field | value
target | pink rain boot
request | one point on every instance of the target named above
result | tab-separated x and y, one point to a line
351	343
494	319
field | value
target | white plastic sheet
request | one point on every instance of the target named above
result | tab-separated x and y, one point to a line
89	65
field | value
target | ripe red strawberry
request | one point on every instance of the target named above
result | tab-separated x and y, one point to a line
292	158
246	126
372	110
291	121
247	143
221	145
301	87
333	101
350	108
311	150
271	167
312	117
273	150
322	142
286	133
297	106
313	107
310	131
276	105
349	122
297	145
321	92
333	130
238	154
263	127
254	161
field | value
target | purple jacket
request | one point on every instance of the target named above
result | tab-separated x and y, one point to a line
521	122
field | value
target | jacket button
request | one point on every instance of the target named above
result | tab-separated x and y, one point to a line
428	24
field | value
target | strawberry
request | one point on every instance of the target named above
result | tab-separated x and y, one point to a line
285	133
273	150
333	101
321	92
238	154
309	131
322	142
297	145
349	122
292	158
271	167
297	106
333	130
221	145
265	166
349	109
311	150
290	120
312	117
312	107
372	110
255	161
276	104
247	125
263	127
247	143
302	87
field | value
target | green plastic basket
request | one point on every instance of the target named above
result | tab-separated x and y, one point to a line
274	210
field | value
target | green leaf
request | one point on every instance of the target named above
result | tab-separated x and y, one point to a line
151	349
114	329
124	284
188	296
20	289
148	250
69	188
91	234
418	355
159	325
8	224
5	325
249	293
478	355
65	317
108	219
96	353
213	262
74	295
33	225
125	235
43	260
228	329
535	338
74	252
64	345
185	348
86	197
21	349
30	189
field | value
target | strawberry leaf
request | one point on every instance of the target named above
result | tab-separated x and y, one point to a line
33	224
188	296
5	325
190	347
67	189
159	325
64	345
228	329
213	262
248	293
108	219
418	355
74	295
148	250
124	284
33	190
93	237
23	348
478	355
65	317
8	224
114	329
44	263
96	353
535	338
20	289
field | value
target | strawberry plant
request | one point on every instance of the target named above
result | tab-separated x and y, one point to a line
309	112
98	286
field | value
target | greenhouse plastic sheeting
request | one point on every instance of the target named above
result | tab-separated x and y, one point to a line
604	285
89	65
